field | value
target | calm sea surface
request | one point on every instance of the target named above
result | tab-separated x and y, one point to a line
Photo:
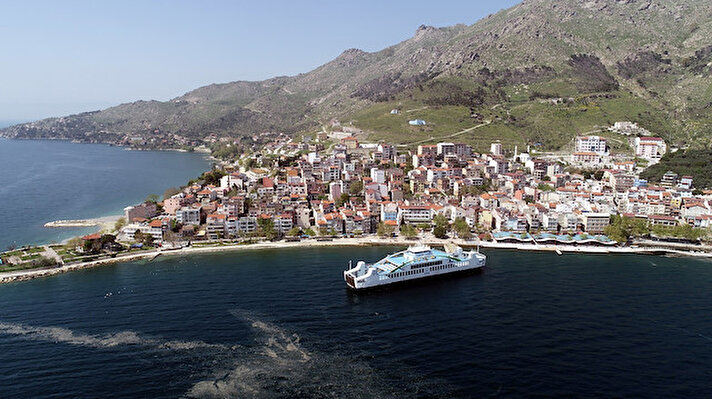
41	181
280	323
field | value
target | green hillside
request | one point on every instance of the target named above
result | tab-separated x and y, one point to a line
538	73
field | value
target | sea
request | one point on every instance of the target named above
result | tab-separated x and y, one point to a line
43	180
280	323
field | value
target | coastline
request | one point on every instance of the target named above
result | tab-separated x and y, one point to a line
105	222
23	275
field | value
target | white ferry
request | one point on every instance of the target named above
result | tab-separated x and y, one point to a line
414	263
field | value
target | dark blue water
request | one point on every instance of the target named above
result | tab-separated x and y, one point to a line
41	181
281	324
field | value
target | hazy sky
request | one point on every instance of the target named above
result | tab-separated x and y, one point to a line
61	57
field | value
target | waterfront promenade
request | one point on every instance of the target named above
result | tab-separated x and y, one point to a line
344	242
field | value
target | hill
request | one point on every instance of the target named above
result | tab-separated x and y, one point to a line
537	73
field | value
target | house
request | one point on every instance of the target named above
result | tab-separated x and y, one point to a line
594	223
145	210
350	142
215	226
650	148
415	214
417	122
188	216
587	158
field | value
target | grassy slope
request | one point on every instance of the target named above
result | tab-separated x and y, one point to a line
517	121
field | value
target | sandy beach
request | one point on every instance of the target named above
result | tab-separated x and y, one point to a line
344	242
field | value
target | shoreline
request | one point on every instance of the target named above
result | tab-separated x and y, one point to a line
23	275
103	221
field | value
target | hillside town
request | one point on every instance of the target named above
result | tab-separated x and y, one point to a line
342	187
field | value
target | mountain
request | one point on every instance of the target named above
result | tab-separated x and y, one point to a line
537	73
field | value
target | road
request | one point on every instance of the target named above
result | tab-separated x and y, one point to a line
431	138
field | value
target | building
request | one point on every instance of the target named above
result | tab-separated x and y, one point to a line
650	148
378	176
595	223
591	159
145	210
350	142
622	182
128	232
215	226
415	214
596	144
188	216
669	179
496	149
417	122
246	224
445	149
171	205
685	182
430	150
335	190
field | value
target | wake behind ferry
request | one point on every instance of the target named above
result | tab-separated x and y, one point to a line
414	263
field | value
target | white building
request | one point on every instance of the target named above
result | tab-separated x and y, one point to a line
187	215
246	224
128	232
586	158
496	149
378	175
446	148
650	148
415	214
595	144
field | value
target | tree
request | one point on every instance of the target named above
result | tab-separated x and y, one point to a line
310	232
119	224
598	175
440	220
356	187
138	236
384	230
344	198
462	228
74	242
622	228
266	227
424	226
213	177
152	198
148	240
294	232
440	231
408	231
545	187
170	192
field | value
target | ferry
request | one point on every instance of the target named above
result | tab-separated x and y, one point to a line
414	263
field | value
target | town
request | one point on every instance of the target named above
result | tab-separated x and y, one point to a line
332	185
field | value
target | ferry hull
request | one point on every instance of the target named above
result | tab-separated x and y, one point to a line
420	263
420	281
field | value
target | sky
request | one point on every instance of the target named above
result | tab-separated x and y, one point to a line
63	57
